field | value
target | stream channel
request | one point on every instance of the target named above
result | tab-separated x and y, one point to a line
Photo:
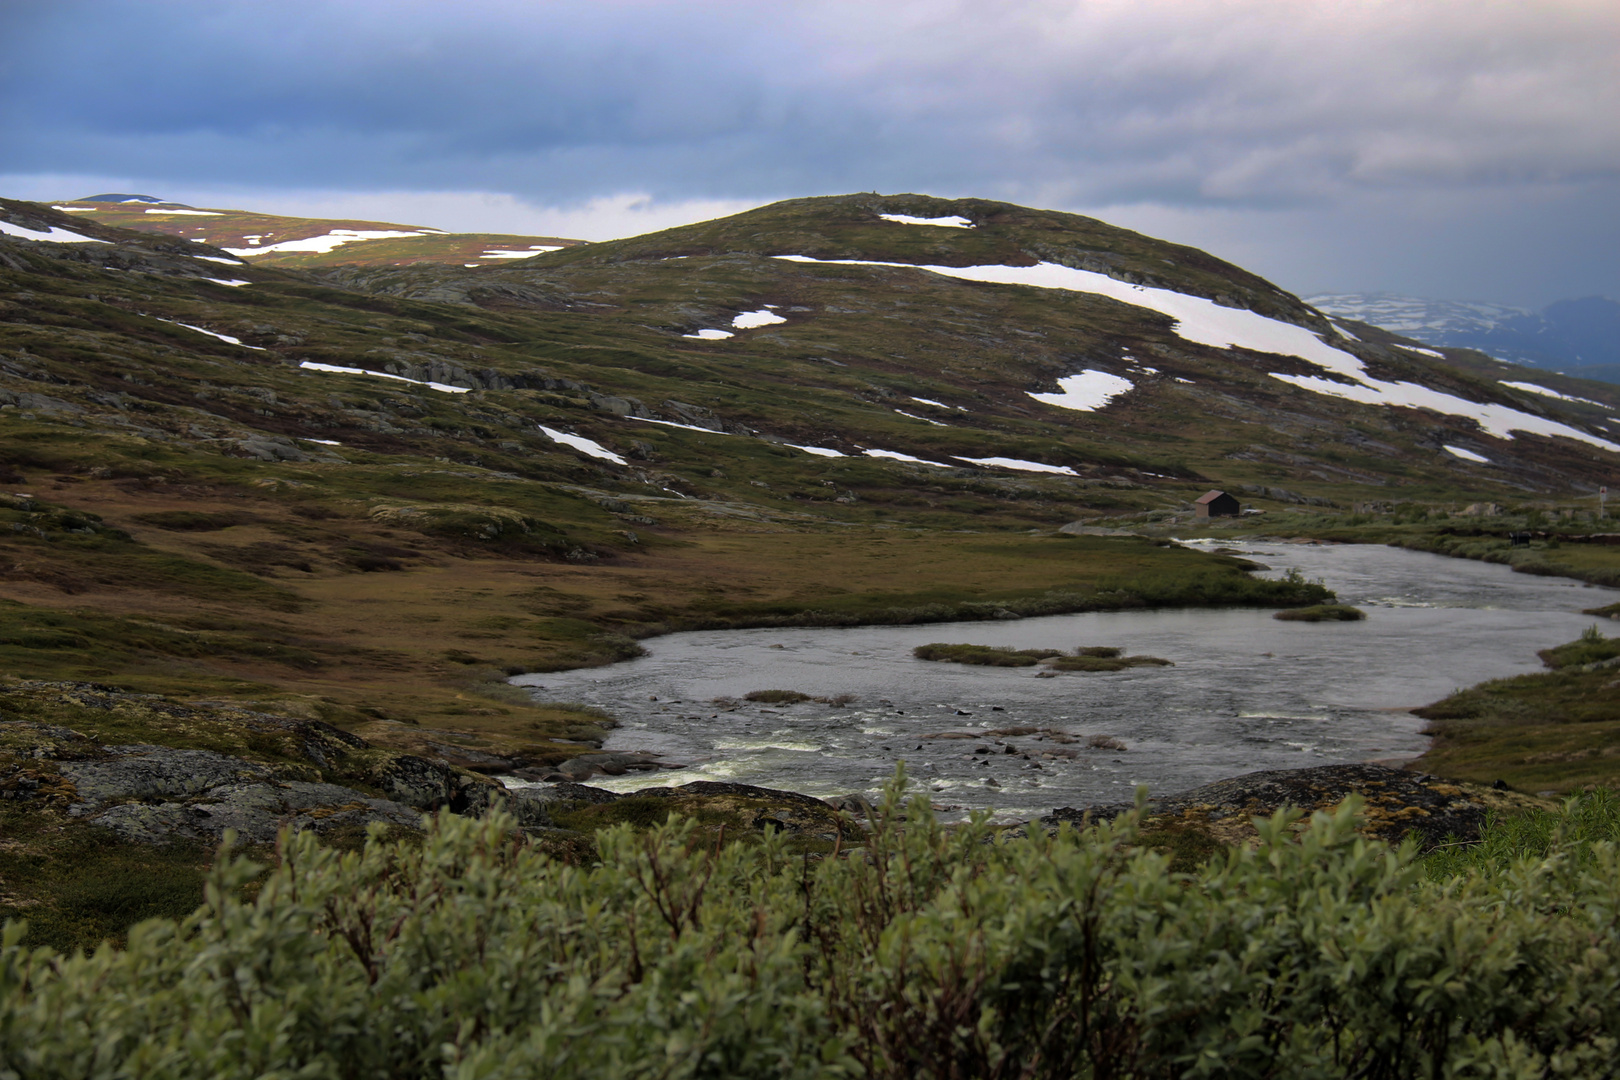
1247	691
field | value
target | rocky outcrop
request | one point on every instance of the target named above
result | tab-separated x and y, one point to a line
735	806
1397	803
150	793
288	772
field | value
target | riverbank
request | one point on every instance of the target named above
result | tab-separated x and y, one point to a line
1552	733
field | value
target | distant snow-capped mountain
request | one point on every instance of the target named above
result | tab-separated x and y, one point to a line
1575	337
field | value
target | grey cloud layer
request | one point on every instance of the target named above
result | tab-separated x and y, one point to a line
1182	101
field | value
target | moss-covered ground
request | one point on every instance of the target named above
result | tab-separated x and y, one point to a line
1556	731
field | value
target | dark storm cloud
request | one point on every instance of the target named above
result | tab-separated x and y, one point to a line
1231	105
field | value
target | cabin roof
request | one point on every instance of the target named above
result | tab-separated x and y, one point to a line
1211	497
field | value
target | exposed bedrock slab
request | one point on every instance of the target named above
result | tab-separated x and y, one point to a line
257	811
1396	802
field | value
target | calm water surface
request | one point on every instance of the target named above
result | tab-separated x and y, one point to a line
1247	692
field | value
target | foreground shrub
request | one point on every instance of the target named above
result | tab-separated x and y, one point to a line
932	952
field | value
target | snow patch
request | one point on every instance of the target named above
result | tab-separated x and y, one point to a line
223	337
323	442
231	282
924	419
215	258
77	209
952	222
1198	320
750	320
1018	465
582	444
1467	455
189	213
1207	323
937	404
1425	352
53	235
321	244
1498	420
895	455
710	335
1345	333
1087	391
443	388
1532	388
671	423
534	249
818	451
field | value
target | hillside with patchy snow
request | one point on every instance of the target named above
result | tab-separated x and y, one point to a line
947	346
276	240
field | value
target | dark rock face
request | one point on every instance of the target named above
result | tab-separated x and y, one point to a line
150	793
256	811
155	793
152	773
1397	803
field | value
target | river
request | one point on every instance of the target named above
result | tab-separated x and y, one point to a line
1247	691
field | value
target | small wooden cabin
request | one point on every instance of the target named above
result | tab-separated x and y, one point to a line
1217	504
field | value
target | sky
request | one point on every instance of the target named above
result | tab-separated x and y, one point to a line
1457	149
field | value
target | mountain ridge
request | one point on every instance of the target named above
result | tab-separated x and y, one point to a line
275	239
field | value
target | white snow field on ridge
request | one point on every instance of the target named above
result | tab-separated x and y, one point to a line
321	245
1086	392
54	235
1205	322
944	222
1534	389
506	253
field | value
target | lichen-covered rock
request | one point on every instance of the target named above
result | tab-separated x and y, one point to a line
256	811
151	773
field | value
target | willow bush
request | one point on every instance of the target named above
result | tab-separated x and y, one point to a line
930	952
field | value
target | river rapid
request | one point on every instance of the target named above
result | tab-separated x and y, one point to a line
1247	691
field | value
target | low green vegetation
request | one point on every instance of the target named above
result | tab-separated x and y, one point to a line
930	952
1590	648
1321	613
983	655
1556	731
1084	662
1567	833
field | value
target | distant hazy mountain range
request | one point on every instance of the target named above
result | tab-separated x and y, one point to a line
1574	337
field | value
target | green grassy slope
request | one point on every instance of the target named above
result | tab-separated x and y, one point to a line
414	544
